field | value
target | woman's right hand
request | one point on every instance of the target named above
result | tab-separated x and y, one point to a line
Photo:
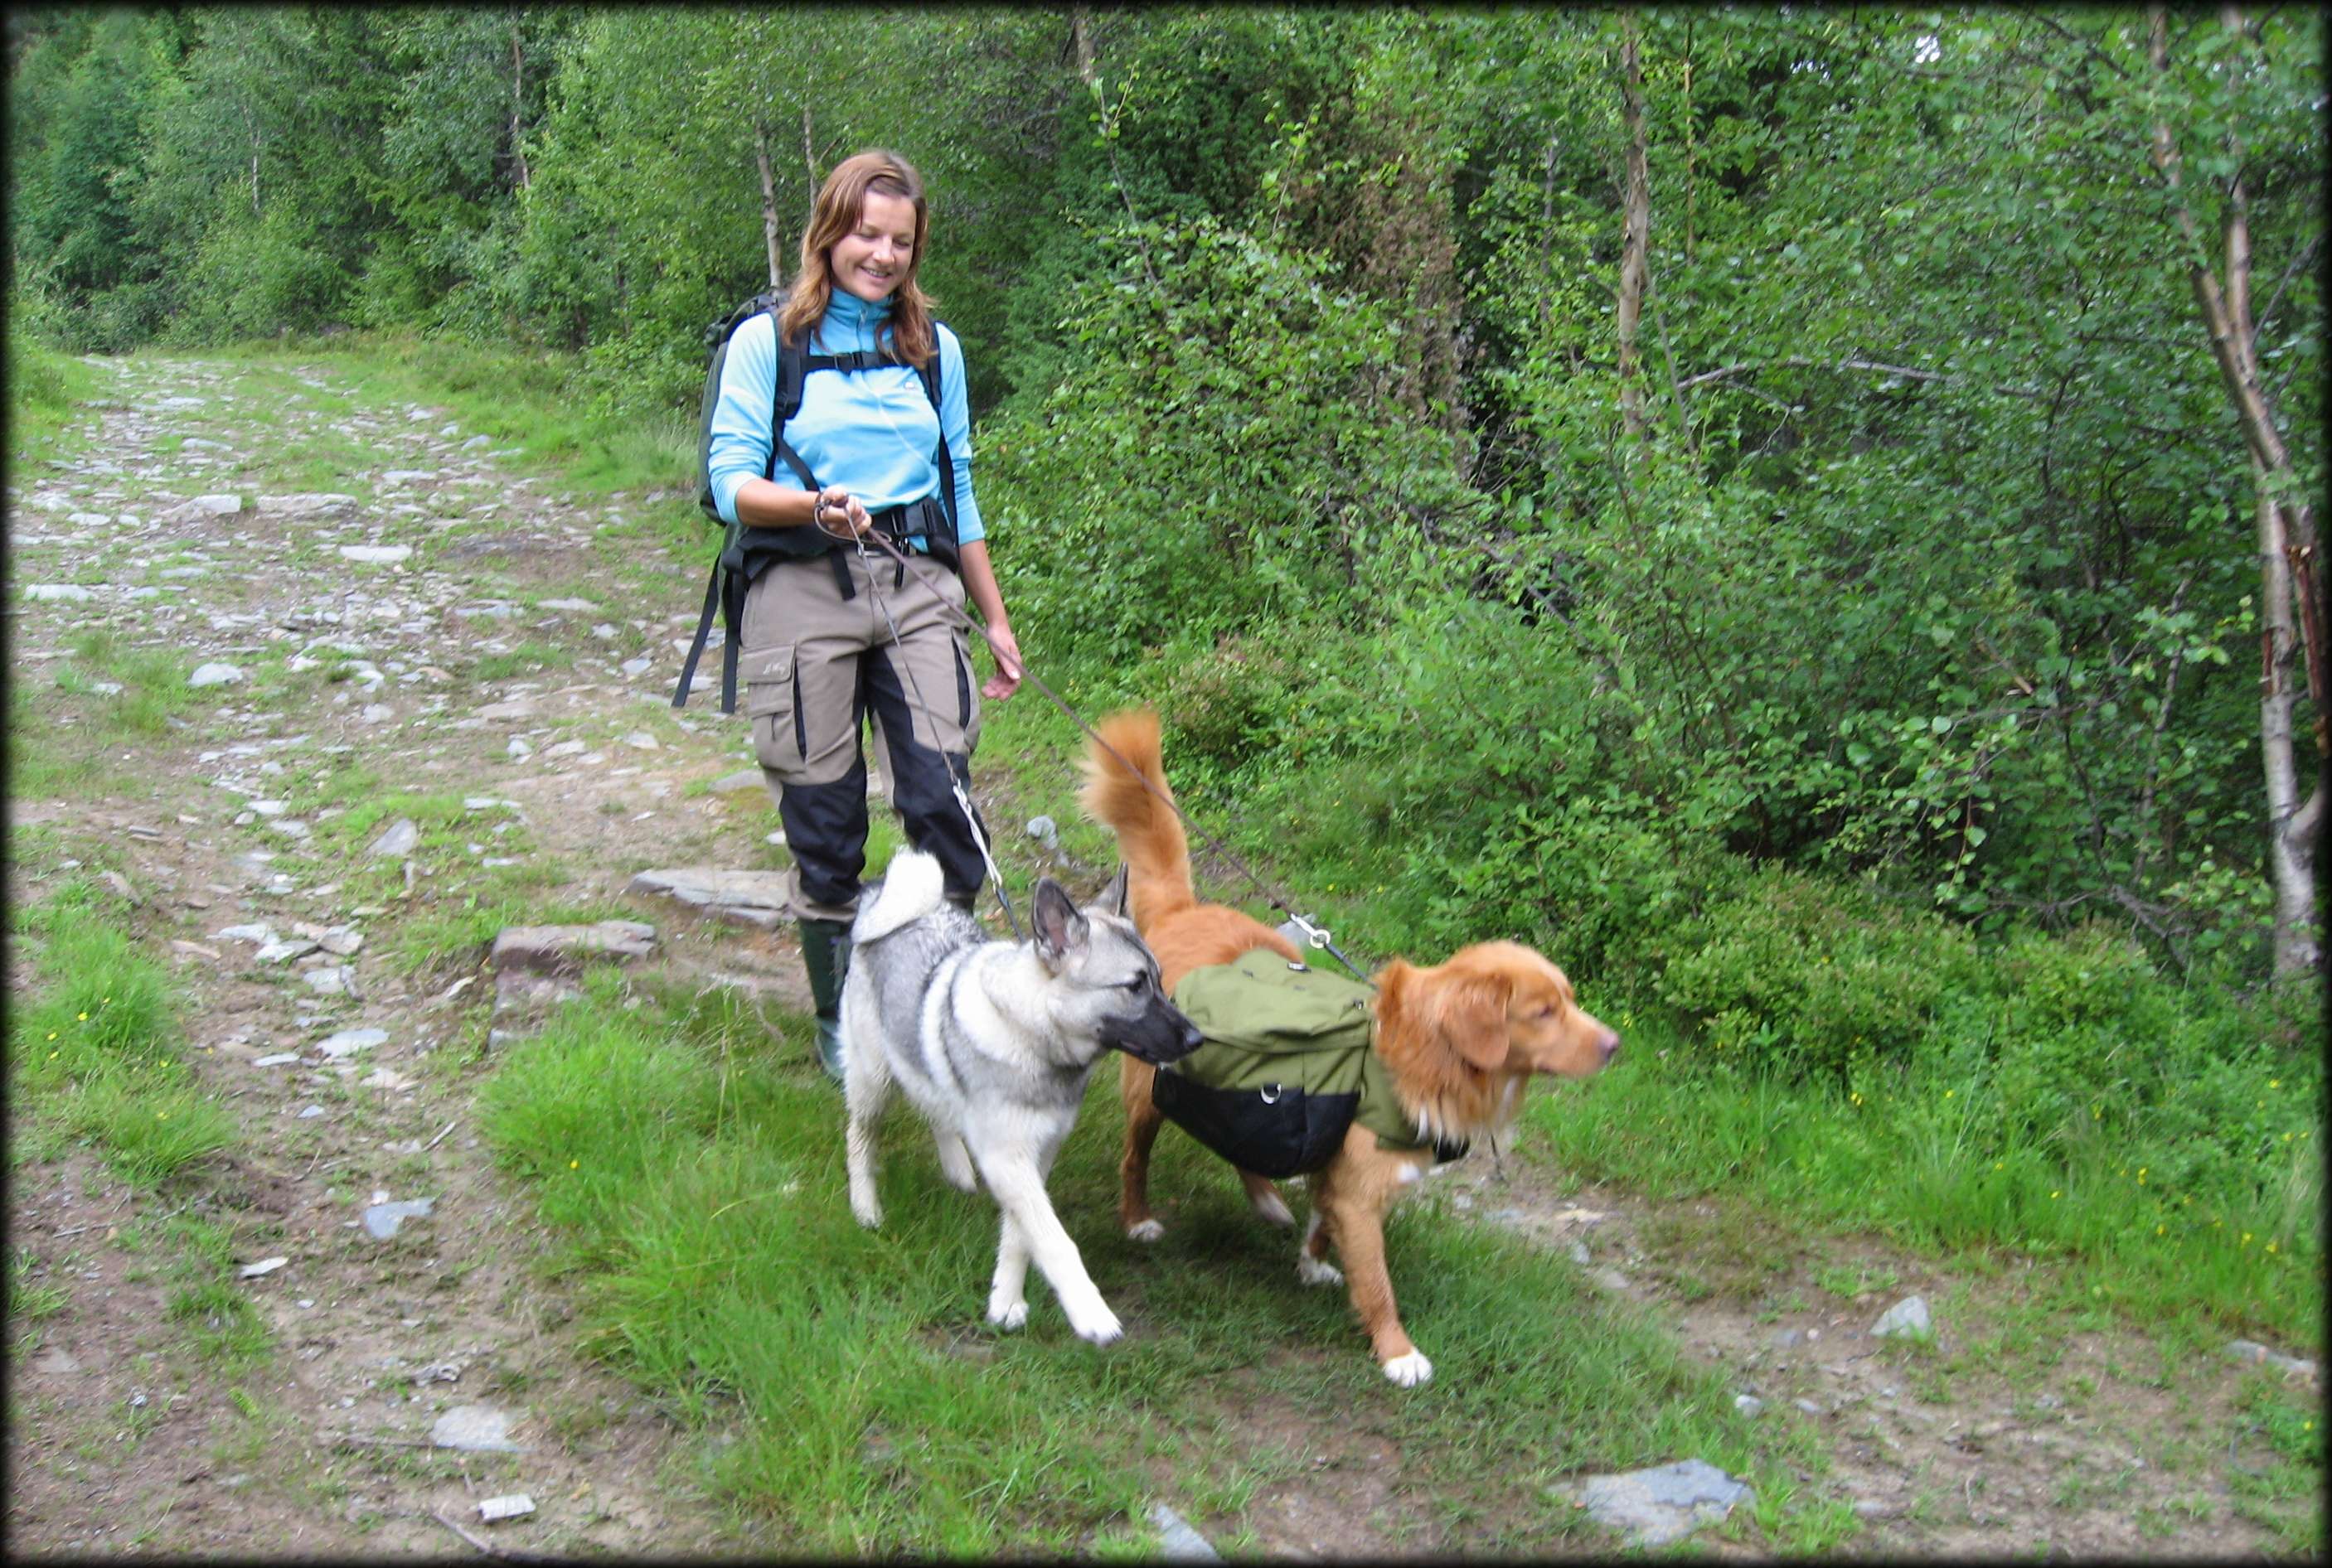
835	511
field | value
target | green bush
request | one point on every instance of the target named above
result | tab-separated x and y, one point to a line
1815	974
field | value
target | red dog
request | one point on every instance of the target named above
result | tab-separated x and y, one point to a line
1460	1038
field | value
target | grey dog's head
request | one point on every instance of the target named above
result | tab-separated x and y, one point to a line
1109	981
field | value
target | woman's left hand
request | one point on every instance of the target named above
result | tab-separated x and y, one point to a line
1007	679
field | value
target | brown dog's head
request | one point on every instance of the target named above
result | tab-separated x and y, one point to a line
1499	1007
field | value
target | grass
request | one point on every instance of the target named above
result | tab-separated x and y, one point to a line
693	1170
1892	1164
93	1055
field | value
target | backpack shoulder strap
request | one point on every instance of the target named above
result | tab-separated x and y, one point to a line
929	376
785	402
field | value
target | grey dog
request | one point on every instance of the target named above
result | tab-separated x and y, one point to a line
993	1042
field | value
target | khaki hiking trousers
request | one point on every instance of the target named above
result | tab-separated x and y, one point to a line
815	666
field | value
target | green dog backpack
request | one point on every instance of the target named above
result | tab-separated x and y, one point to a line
1287	1066
745	552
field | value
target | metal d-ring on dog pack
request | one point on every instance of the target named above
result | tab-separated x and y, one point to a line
1314	935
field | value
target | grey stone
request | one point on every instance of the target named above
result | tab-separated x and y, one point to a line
563	949
751	897
1667	1503
278	951
1045	832
331	981
1907	1317
214	674
571	606
311	1112
57	592
1178	1541
748	778
1788	1338
314	504
397	475
349	1041
382	1221
265	1265
1808	1406
1580	1255
1749	1406
376	555
2291	1366
477	1428
278	1059
403	834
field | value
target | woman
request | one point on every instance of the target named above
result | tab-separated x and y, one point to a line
833	629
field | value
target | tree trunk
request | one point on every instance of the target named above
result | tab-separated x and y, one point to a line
2290	827
520	175
1636	229
809	155
769	202
2285	536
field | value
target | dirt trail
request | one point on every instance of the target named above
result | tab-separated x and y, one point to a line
447	569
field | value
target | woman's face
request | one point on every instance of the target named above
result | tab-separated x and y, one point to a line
873	258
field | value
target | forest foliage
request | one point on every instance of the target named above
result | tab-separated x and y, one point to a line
1856	554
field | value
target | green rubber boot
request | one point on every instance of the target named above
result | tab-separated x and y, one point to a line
826	958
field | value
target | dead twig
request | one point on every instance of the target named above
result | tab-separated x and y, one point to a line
514	1553
440	1138
355	1440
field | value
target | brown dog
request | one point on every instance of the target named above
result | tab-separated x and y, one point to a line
1460	1038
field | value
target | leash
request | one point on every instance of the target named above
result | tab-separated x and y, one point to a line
1316	937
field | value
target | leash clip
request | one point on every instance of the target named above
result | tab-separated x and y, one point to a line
1314	935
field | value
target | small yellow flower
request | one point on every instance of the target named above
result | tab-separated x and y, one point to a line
2271	1246
2059	1193
2161	1230
161	1115
1947	1094
53	1034
2247	1237
2000	1165
2287	1137
82	1019
2275	1083
574	1164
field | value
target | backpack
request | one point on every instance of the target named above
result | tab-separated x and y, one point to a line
1287	1065
745	553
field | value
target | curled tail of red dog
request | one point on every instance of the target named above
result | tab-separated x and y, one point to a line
1148	834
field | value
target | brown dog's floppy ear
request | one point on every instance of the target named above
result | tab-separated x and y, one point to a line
1470	1011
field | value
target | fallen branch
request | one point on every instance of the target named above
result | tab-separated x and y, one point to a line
440	1138
515	1555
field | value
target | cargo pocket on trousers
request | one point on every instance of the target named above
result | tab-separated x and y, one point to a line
773	706
966	696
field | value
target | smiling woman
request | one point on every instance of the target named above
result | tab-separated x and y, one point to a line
878	445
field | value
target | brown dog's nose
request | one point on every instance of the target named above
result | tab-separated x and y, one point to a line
1610	1045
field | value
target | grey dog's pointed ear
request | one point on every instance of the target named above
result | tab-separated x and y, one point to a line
1114	897
1058	926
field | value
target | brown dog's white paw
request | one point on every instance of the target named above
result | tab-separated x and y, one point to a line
1147	1230
1317	1271
1409	1370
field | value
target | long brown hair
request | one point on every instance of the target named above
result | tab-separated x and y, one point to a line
841	201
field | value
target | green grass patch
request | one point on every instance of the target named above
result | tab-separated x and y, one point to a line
1918	1157
693	1167
46	391
94	1056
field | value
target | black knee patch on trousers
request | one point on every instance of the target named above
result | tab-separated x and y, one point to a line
921	781
826	833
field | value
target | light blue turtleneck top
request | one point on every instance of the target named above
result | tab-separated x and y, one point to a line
869	431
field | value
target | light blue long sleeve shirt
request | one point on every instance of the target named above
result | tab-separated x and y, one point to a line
869	431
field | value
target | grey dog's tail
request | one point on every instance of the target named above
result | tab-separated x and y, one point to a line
911	888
